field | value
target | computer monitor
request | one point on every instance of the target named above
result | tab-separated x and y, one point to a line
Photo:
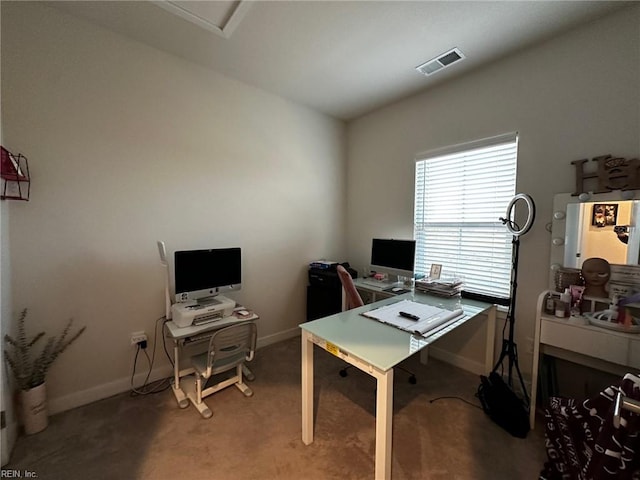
205	273
393	257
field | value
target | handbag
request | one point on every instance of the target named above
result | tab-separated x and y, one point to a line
503	406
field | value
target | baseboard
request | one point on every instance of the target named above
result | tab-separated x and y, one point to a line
475	367
100	392
278	337
457	361
106	390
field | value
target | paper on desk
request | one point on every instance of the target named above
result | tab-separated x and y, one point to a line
430	317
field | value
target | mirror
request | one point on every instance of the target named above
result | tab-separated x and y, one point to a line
606	230
594	225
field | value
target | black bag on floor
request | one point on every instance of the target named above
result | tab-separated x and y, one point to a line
503	406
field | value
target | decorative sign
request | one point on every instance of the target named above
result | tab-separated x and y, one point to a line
613	173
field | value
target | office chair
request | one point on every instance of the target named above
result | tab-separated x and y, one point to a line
229	348
354	300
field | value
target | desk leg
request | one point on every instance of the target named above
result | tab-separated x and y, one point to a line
491	339
384	424
534	373
181	398
307	388
248	374
424	355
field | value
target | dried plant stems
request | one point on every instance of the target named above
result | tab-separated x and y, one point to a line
28	369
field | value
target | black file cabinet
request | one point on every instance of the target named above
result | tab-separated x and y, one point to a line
323	300
324	293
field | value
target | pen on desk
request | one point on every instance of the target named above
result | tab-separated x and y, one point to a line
409	315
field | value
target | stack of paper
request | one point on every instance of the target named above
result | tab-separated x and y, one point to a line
427	317
322	264
442	288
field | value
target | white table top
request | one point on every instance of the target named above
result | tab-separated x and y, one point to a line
381	345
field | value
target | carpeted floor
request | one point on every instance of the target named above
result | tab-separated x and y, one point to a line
149	437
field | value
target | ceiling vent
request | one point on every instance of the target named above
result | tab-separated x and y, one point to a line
440	62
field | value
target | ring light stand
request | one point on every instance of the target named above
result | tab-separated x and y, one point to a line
509	348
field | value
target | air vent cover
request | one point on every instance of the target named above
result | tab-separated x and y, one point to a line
440	62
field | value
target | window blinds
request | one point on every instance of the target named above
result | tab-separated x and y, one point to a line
460	194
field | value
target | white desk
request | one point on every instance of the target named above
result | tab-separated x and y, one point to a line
194	335
375	348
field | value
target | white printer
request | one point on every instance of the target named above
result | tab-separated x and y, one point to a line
192	312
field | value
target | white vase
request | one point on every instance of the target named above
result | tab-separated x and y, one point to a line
34	409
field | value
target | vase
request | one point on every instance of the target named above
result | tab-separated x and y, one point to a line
33	403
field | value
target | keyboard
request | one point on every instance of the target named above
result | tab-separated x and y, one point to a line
376	283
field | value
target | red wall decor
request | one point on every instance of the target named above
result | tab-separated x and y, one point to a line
14	173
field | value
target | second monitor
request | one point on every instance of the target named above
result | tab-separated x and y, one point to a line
393	257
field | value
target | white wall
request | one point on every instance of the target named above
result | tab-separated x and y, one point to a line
575	97
9	431
128	145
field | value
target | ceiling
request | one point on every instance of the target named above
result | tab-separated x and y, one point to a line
343	58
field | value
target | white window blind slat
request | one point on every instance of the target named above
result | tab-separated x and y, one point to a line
460	194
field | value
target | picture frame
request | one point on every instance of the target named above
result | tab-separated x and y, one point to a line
604	214
436	269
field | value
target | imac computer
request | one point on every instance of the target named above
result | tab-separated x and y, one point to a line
393	257
200	276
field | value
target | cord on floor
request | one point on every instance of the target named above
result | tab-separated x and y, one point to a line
455	398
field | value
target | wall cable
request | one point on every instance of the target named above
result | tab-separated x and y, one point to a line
159	385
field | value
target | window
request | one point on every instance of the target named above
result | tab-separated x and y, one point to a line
461	193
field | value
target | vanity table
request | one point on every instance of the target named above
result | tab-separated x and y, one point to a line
576	236
577	341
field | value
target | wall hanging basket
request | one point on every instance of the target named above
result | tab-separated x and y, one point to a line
14	173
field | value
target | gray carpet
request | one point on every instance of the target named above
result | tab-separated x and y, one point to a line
149	437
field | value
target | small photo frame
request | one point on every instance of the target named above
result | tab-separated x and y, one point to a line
604	214
436	270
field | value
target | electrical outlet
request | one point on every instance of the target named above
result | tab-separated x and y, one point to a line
137	337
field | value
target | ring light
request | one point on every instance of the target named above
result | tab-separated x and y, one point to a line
531	213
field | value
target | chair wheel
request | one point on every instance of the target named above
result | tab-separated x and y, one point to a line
412	380
343	372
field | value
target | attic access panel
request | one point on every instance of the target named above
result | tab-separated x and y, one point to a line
220	17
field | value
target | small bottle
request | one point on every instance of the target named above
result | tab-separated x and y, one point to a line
613	309
549	304
563	308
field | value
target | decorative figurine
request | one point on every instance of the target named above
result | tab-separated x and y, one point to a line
596	272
